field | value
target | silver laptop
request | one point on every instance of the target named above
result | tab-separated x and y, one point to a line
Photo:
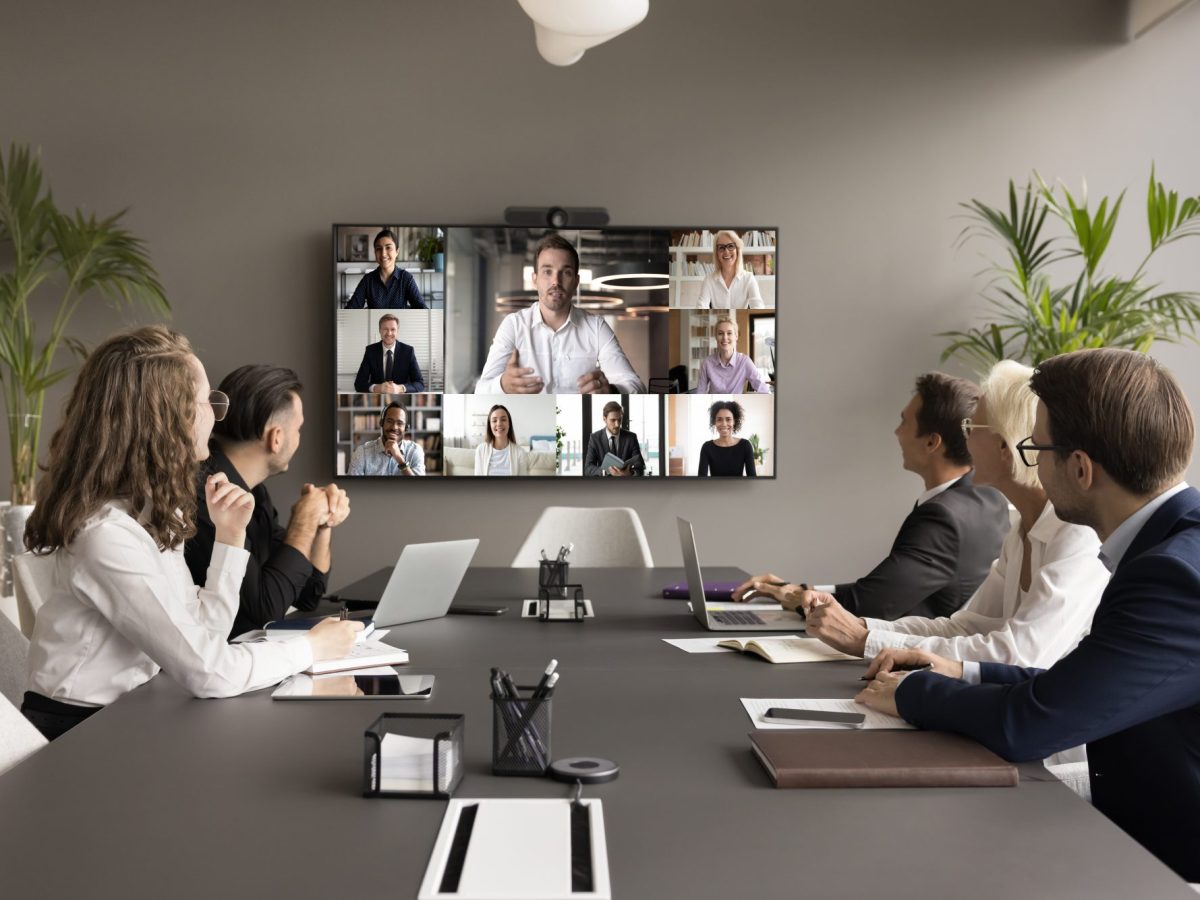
733	619
424	582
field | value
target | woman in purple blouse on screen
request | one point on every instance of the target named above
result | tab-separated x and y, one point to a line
725	371
727	455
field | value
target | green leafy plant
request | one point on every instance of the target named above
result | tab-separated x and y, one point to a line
760	453
1035	318
429	246
52	254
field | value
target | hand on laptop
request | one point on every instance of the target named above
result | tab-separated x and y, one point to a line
768	587
896	659
333	638
828	620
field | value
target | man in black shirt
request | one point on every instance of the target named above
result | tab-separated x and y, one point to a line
257	439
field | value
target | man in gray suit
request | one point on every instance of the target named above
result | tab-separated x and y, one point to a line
614	439
946	544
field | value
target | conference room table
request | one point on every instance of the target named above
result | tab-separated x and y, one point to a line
163	795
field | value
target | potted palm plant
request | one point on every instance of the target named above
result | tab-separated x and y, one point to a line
52	262
1037	316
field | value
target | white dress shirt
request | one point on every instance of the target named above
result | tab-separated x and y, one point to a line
119	609
1001	623
1112	550
559	358
928	495
741	293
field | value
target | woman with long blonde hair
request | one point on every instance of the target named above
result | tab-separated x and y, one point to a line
113	509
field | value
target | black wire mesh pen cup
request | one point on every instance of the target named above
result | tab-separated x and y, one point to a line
552	577
520	734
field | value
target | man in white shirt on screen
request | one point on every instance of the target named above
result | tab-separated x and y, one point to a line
554	347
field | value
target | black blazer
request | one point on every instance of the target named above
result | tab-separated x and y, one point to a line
941	555
1130	690
627	448
404	368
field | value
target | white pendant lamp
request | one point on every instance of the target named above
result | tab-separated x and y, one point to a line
566	28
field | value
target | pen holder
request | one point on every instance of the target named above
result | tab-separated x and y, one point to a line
413	755
578	609
552	577
520	735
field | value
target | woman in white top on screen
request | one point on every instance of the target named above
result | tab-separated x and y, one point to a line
499	453
729	285
1038	599
113	510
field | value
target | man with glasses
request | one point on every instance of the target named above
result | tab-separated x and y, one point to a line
946	545
259	415
390	453
1112	439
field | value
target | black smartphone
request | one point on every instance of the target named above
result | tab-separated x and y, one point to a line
474	609
791	716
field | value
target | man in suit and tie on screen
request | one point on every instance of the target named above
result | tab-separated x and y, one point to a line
1112	439
389	366
614	439
946	545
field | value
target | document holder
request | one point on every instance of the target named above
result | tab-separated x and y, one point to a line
520	734
578	609
413	755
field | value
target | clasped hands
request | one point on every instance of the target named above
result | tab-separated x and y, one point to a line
321	507
517	379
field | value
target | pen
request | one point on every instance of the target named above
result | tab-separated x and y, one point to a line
540	690
901	669
345	614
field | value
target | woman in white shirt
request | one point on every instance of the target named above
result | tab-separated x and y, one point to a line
499	453
1038	599
113	509
729	285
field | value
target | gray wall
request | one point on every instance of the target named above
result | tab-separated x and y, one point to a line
238	132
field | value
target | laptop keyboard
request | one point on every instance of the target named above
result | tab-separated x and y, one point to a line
736	617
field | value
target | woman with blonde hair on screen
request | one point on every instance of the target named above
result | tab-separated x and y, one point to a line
729	285
114	507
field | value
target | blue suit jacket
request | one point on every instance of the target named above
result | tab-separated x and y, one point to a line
404	368
1130	691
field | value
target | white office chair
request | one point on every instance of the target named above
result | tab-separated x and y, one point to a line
14	651
18	738
31	583
605	536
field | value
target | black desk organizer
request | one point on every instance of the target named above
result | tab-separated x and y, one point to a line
446	731
552	585
520	734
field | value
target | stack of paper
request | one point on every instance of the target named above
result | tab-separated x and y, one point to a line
408	764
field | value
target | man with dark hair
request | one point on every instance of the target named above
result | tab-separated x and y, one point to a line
389	366
1112	438
553	346
946	544
388	286
390	453
614	440
255	440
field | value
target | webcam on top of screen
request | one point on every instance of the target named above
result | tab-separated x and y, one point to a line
556	216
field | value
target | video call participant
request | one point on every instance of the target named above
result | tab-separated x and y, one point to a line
116	502
1112	438
499	453
729	285
256	440
947	543
389	366
726	455
1038	599
612	438
554	347
388	286
390	453
725	370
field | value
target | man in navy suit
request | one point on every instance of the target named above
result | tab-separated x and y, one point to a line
614	439
1112	439
389	367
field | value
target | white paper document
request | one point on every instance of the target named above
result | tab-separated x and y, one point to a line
519	849
408	764
709	644
756	709
559	609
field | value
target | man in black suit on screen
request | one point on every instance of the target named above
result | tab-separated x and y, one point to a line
946	544
614	439
389	366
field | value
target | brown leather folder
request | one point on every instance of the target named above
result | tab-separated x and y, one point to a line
840	759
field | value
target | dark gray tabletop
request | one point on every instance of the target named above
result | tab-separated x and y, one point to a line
162	795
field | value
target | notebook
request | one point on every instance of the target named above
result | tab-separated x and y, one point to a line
361	656
843	759
787	649
714	591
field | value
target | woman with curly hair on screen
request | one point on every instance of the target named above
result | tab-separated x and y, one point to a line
727	455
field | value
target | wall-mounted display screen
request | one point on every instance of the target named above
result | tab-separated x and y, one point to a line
498	351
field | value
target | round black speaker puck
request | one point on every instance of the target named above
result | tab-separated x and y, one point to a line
586	769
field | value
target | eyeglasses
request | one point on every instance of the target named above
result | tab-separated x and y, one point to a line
721	248
219	402
1029	450
967	426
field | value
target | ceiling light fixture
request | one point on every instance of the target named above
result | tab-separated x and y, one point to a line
566	28
637	281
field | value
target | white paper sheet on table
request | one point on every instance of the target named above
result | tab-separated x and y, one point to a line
756	709
709	644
